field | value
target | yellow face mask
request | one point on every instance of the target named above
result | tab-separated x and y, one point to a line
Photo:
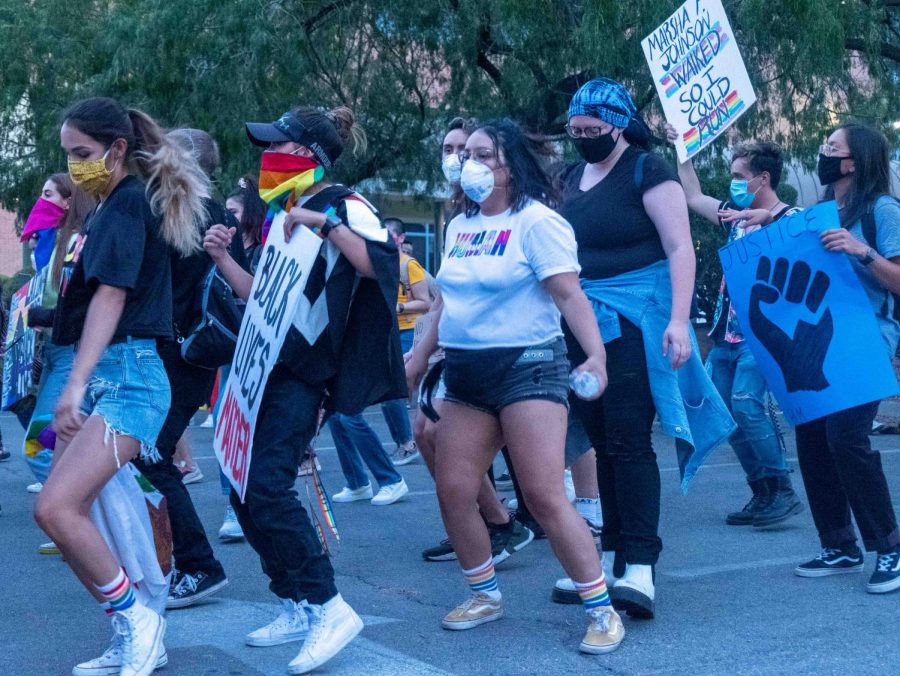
92	176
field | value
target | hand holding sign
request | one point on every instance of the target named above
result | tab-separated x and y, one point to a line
801	357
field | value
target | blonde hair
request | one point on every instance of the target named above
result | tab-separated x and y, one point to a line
348	130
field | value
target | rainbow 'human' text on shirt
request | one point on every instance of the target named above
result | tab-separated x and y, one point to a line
484	243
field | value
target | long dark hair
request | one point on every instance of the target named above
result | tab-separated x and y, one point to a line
528	180
80	205
176	185
254	209
871	177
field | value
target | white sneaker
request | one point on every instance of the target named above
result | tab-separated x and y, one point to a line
570	486
634	592
388	495
331	627
190	474
36	487
208	423
141	631
564	590
291	625
48	549
512	503
231	530
353	494
110	662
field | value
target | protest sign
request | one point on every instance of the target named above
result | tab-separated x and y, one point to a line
279	281
806	317
699	74
20	341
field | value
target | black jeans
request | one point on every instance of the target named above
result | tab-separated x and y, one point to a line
191	387
274	521
842	472
619	425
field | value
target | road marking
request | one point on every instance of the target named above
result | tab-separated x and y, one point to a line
693	573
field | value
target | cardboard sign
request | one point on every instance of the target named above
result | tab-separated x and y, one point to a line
277	286
807	318
20	341
699	74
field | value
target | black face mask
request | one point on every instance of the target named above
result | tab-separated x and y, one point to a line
595	149
829	169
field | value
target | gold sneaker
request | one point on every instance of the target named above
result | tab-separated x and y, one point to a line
478	609
604	633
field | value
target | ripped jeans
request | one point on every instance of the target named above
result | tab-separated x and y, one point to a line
129	389
757	443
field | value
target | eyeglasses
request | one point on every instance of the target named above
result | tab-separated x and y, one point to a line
829	150
480	155
584	132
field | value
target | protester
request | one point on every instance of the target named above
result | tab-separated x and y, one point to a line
356	358
413	301
508	534
510	268
356	443
637	266
755	174
246	206
841	471
113	309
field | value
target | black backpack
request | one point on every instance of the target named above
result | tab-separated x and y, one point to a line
870	234
212	340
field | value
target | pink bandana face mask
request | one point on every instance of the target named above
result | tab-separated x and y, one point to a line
44	216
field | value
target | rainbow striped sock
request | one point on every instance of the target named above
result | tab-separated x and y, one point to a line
106	608
482	578
118	593
593	594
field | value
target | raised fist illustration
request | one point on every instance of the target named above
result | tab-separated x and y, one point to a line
801	357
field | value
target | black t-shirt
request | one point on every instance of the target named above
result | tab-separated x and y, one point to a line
123	249
188	272
614	233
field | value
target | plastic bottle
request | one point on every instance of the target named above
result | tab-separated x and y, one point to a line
585	384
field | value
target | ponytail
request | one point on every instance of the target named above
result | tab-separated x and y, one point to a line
637	133
176	185
348	130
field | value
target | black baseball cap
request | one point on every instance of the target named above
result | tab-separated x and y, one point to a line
315	131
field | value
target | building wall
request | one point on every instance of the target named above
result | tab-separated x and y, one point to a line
10	248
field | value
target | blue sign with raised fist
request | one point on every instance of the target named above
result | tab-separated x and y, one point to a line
806	317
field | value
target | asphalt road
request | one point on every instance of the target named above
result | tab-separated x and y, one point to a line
727	601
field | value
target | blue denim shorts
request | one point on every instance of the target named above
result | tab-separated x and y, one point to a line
129	389
480	379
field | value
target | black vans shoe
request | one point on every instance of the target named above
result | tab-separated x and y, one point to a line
832	562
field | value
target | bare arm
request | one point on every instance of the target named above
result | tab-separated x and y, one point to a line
216	242
417	364
348	242
579	315
703	205
886	270
100	324
421	301
666	206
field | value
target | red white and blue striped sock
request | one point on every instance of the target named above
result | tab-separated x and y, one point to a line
119	593
593	594
483	579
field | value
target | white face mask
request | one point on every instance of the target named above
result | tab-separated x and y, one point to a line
451	168
477	181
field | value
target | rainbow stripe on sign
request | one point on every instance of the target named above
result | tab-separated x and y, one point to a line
730	107
694	62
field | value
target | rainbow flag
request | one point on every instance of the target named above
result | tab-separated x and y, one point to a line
40	435
282	178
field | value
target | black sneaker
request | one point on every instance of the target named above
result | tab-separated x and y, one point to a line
886	577
191	587
531	524
832	561
504	482
442	552
4	454
508	539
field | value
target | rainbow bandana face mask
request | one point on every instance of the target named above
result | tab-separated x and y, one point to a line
282	178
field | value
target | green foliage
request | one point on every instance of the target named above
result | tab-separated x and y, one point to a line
407	67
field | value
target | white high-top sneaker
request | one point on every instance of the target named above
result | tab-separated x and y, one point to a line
564	590
141	632
110	662
290	625
331	627
634	592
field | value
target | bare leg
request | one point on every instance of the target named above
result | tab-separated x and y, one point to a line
62	508
535	435
465	449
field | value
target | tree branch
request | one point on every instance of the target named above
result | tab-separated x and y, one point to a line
886	50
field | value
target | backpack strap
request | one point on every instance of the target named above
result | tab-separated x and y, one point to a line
639	170
404	273
327	197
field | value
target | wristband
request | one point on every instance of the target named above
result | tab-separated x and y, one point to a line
331	222
869	258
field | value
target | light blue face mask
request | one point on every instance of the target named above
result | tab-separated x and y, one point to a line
742	197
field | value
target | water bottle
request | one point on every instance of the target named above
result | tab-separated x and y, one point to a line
585	384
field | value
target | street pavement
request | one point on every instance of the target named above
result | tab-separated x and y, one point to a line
727	601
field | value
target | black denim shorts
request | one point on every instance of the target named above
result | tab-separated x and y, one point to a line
490	380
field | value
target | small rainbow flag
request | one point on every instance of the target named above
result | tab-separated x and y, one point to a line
40	435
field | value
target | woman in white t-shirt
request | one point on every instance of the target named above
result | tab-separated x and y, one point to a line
510	269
